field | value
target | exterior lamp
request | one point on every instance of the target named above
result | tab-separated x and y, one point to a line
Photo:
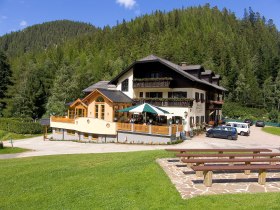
150	120
186	114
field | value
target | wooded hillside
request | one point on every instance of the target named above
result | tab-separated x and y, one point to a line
245	52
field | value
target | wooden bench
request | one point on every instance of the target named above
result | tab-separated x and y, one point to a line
220	150
247	161
208	171
230	155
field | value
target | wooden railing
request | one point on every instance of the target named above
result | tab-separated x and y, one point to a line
141	128
62	119
171	102
152	83
160	130
150	129
124	126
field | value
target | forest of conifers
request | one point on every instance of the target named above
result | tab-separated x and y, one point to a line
47	65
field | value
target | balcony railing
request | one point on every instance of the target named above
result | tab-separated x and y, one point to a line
214	105
152	82
150	129
166	102
62	119
215	102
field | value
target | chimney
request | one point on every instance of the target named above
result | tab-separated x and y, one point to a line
183	64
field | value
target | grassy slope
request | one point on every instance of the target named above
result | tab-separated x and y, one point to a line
9	150
5	135
106	181
272	130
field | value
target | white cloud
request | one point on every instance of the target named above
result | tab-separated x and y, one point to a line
128	4
23	23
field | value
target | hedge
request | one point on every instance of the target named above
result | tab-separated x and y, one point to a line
20	126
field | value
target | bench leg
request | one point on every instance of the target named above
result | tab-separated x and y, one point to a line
207	178
199	173
247	172
262	177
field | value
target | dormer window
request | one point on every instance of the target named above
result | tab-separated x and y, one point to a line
125	85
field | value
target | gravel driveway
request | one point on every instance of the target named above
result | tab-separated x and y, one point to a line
258	138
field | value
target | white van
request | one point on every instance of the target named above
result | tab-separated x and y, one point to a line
242	128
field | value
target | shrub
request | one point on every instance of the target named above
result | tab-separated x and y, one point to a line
20	126
1	145
273	116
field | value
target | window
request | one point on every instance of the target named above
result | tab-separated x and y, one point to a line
71	132
197	120
191	121
154	75
202	119
100	99
153	94
125	85
202	97
102	111
96	111
141	95
197	97
177	94
58	130
85	135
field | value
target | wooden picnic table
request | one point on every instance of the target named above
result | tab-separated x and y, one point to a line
247	161
229	155
220	150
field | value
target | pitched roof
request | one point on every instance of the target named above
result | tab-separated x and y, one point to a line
175	67
100	84
115	96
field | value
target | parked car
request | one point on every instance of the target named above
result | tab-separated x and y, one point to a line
250	122
225	132
242	128
260	123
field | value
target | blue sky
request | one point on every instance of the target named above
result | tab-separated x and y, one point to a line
18	14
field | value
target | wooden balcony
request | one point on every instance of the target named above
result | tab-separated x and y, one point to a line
150	129
214	105
62	119
152	83
166	102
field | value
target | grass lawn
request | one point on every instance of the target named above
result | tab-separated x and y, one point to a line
272	130
5	135
9	150
106	181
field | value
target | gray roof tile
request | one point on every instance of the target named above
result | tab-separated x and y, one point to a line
115	96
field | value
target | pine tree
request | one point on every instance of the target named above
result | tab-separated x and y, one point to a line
5	79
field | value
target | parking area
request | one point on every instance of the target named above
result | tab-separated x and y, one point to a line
258	138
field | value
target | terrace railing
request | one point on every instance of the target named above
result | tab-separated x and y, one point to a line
150	129
166	102
62	119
